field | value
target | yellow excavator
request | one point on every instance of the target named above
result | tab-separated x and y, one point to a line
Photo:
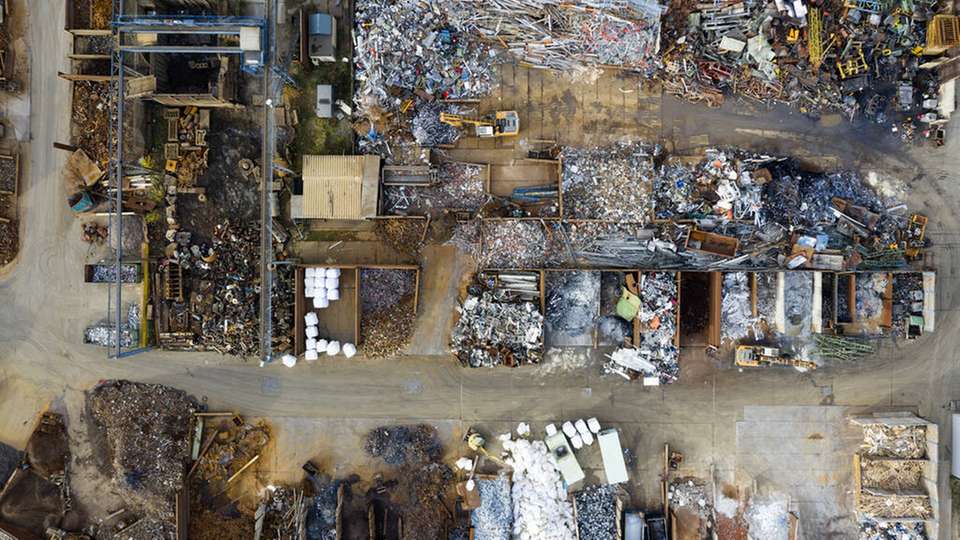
758	355
499	124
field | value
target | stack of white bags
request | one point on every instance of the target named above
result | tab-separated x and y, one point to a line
323	285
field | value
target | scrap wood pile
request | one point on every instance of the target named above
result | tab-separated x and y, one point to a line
905	442
496	327
657	356
231	447
596	511
387	310
146	429
893	463
612	183
541	509
859	59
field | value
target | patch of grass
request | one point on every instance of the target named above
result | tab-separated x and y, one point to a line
324	136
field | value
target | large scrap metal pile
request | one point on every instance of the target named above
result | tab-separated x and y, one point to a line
769	211
146	429
611	183
499	324
387	310
858	58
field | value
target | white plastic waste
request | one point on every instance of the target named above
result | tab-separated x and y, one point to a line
311	344
310	273
289	360
465	464
333	348
312	332
321	345
309	292
333	294
349	350
550	429
319	272
576	441
569	430
321	302
594	424
332	272
311	319
523	429
332	283
311	355
584	431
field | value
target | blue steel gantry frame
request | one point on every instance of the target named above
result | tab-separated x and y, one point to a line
122	25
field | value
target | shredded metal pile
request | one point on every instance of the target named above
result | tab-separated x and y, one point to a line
691	493
736	315
493	520
428	130
891	530
573	304
880	440
107	273
146	428
541	509
492	331
513	244
387	316
398	445
425	516
612	183
597	517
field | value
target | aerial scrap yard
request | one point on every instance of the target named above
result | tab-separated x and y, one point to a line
373	194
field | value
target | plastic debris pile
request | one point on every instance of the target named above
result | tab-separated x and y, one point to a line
494	331
493	520
541	509
612	183
597	517
768	519
736	316
657	356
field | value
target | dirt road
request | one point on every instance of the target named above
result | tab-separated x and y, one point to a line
46	306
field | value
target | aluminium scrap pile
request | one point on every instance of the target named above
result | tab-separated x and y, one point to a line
596	513
493	519
611	183
541	509
736	315
494	330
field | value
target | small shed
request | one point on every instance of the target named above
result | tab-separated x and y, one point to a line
339	187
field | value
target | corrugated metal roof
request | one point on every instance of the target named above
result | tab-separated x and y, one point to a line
333	186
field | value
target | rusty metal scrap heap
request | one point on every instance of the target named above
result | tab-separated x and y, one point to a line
493	331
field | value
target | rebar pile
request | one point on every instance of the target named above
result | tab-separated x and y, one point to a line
567	36
842	348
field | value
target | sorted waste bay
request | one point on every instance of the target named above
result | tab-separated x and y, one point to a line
727	422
